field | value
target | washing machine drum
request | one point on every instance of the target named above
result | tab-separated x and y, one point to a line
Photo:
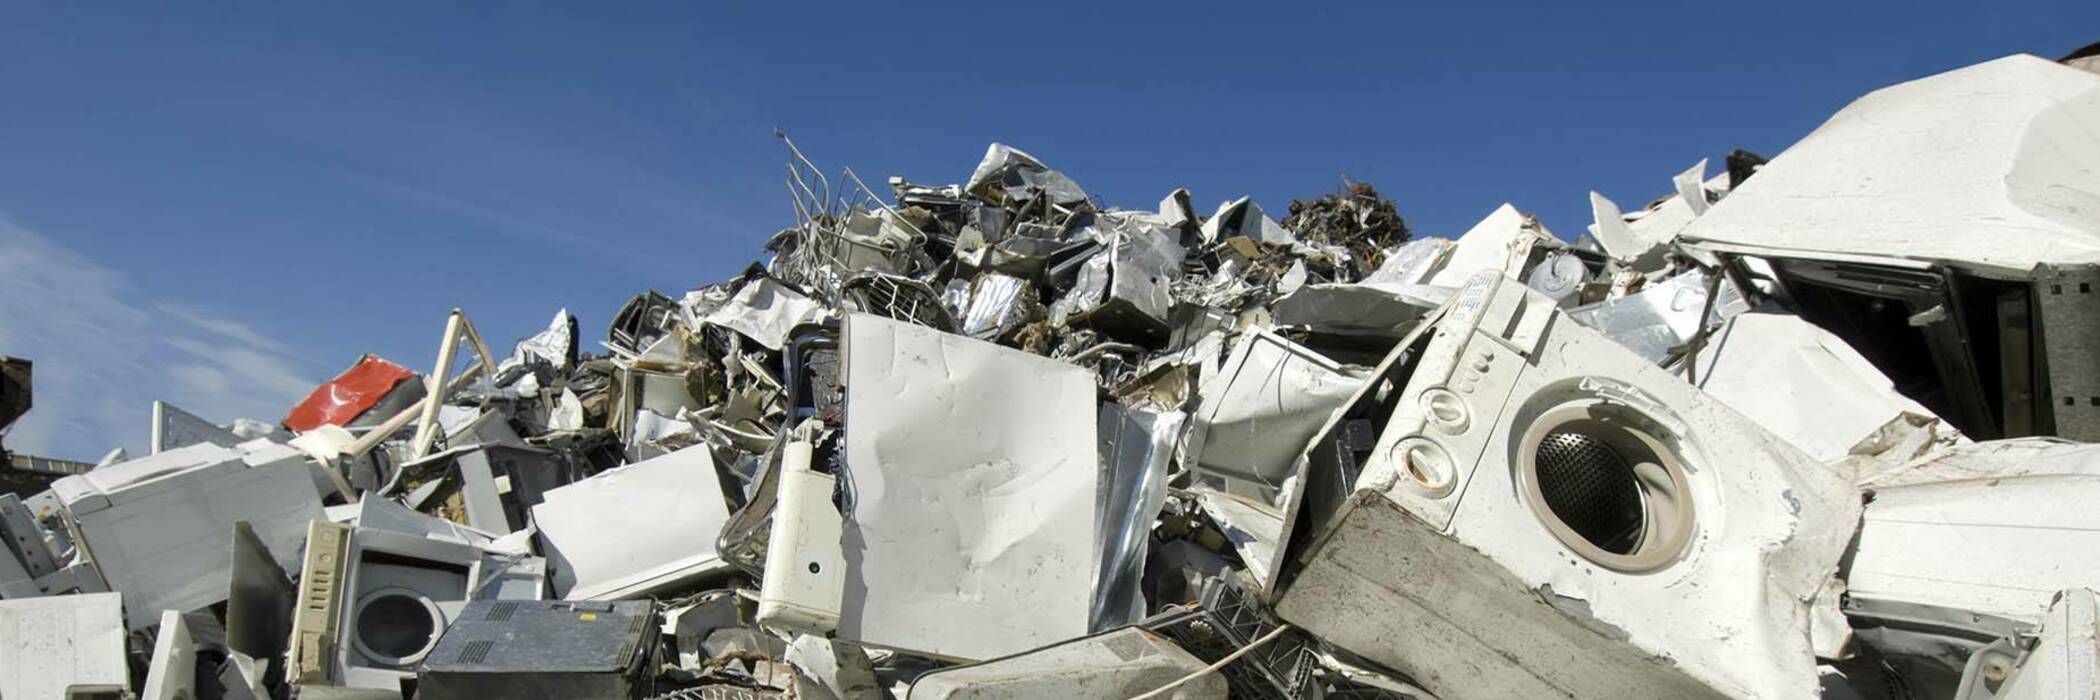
396	626
1609	483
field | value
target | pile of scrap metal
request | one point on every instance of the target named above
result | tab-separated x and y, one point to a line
1811	426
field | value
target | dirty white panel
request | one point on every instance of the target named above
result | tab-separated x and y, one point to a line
1996	459
173	674
1411	263
158	526
973	475
47	644
1365	309
805	575
2001	546
1989	165
1257	413
626	531
1122	663
118	476
1486	246
1807	386
1691	188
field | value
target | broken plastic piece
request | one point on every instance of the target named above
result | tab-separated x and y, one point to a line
805	579
2065	660
347	396
173	672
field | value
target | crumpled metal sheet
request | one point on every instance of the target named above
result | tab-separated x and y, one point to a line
1267	400
555	346
997	305
1242	218
1136	447
174	427
1656	320
1126	289
764	311
1008	173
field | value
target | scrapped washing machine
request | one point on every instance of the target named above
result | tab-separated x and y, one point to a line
1545	514
404	592
373	603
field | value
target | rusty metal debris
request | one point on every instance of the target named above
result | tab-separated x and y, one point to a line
1801	426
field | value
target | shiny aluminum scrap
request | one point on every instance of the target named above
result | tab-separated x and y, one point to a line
1798	426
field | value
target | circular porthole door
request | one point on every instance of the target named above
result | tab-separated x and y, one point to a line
396	626
1608	482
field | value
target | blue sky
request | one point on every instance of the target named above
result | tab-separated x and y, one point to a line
221	206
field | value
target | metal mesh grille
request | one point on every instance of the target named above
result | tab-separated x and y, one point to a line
1228	619
1591	489
721	692
900	298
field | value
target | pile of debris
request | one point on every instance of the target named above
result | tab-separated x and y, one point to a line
1803	427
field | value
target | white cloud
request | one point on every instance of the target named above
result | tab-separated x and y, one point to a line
103	354
229	328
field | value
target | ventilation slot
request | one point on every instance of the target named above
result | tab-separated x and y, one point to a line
477	651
